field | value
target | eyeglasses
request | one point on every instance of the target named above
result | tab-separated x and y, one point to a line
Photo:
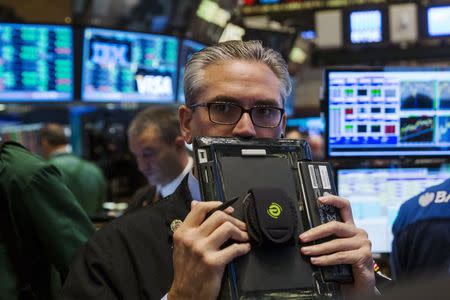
227	113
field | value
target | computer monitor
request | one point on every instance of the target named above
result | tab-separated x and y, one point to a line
438	21
36	62
376	195
124	66
366	26
188	47
387	112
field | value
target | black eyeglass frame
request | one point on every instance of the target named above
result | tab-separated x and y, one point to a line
243	110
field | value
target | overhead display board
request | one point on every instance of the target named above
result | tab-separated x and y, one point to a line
257	7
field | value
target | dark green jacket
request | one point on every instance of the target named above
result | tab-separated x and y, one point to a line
45	215
84	179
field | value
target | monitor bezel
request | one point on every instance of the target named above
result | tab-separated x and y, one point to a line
361	69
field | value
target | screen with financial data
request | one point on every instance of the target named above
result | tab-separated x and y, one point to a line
123	66
36	62
188	47
377	194
366	27
388	112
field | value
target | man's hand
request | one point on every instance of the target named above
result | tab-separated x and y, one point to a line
351	246
198	257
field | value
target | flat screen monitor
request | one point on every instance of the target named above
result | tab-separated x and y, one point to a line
438	21
188	47
123	66
36	62
366	26
377	194
388	112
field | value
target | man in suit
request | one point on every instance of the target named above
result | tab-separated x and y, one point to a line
155	139
83	178
234	89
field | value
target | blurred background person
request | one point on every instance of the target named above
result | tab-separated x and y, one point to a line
317	144
294	134
421	245
41	226
315	141
155	139
84	179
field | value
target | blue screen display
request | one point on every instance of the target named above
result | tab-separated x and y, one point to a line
188	47
122	66
311	125
438	20
36	62
366	27
377	194
390	112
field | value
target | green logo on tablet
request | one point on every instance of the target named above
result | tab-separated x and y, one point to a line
274	210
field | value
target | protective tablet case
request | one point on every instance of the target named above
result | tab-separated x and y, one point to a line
232	167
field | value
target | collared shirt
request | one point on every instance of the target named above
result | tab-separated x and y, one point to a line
169	188
194	187
63	150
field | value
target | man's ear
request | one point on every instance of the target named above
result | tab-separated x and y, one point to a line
185	117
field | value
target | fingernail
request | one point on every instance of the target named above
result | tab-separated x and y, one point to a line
305	250
304	236
194	202
313	260
229	209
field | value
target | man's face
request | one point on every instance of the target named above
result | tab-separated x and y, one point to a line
46	149
245	83
156	159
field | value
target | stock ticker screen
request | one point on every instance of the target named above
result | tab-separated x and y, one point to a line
388	112
366	27
36	62
377	194
123	66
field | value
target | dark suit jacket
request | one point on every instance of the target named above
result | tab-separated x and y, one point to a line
144	196
130	258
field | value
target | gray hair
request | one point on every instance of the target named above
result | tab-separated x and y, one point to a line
233	50
163	118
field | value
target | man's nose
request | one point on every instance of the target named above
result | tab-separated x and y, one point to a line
244	127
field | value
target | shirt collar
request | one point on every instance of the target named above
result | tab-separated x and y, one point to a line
62	150
194	187
169	188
